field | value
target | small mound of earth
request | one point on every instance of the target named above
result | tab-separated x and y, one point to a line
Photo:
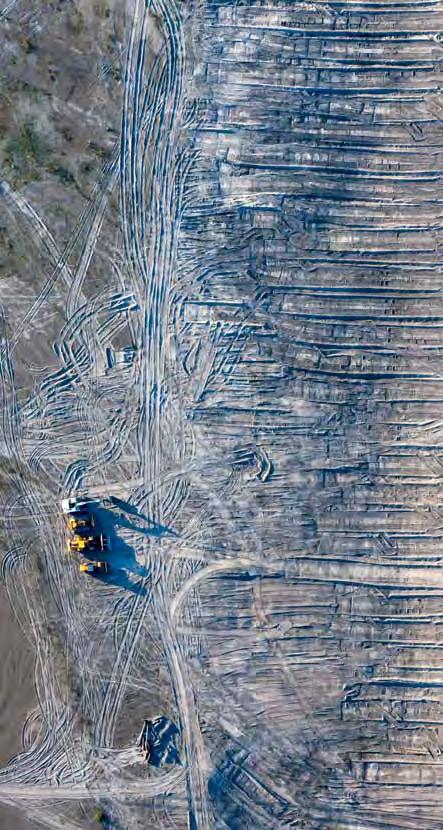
158	741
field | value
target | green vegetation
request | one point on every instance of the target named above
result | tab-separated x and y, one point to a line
22	155
75	22
62	173
27	45
98	150
116	72
101	8
14	87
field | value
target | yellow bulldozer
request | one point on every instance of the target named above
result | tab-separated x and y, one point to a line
80	522
81	538
77	515
86	544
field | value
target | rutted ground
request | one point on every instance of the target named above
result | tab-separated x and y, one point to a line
271	441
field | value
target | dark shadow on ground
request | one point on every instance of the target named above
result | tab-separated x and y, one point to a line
124	569
141	523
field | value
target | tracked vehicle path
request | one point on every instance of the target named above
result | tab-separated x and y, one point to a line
253	397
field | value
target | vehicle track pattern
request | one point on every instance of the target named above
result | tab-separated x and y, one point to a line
268	459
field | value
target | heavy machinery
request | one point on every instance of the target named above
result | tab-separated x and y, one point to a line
94	567
87	544
80	521
81	538
73	504
77	516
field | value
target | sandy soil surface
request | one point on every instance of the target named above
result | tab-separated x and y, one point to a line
221	324
17	695
13	819
17	698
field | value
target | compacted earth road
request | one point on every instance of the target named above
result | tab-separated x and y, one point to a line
221	326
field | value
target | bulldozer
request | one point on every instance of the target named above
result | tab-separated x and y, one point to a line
95	567
86	544
77	516
80	521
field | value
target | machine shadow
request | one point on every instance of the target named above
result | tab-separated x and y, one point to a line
124	569
140	523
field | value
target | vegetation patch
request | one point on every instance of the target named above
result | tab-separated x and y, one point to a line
23	153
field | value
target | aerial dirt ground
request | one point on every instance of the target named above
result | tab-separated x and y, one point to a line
17	698
221	323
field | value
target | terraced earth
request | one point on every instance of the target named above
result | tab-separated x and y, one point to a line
222	322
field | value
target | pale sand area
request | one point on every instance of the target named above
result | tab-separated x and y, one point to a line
16	698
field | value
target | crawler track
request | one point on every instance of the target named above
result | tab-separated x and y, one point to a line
253	395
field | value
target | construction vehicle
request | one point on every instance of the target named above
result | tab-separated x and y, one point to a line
81	537
77	516
72	505
87	544
80	522
95	567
